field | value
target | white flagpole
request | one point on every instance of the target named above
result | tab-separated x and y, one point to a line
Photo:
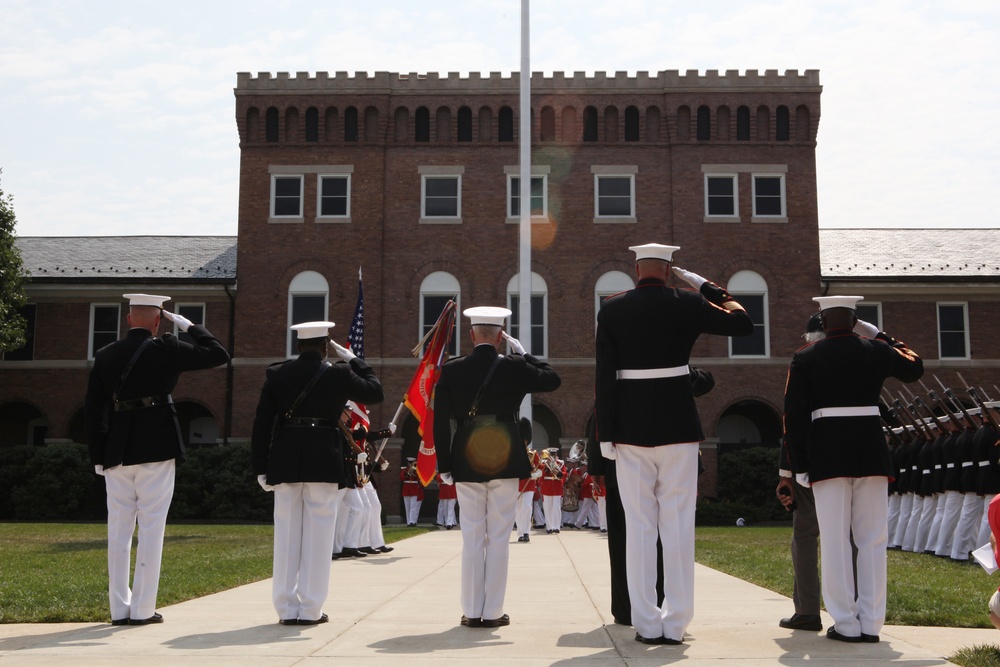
524	269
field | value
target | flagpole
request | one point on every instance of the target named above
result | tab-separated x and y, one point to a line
524	228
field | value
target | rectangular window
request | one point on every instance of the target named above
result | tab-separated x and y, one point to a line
754	345
433	304
539	197
27	351
720	195
334	196
614	196
305	308
953	331
104	322
537	323
769	195
194	312
870	312
286	196
441	197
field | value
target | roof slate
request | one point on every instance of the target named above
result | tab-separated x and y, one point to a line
909	253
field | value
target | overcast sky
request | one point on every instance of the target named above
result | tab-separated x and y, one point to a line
117	118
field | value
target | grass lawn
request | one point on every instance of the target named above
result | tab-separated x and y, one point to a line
51	573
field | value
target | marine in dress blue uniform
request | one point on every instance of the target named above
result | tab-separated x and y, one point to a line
648	422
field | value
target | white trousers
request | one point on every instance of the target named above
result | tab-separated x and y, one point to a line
916	511
305	516
446	512
374	527
552	508
411	508
905	508
349	520
658	486
846	507
137	495
894	503
968	526
949	522
984	525
522	515
602	512
487	519
586	513
538	511
927	515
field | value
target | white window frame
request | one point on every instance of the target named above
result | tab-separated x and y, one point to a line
538	288
614	171
735	216
965	323
346	217
437	173
537	171
90	328
757	217
609	284
273	217
306	283
441	283
751	283
878	312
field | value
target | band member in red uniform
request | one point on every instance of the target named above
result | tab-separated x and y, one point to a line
526	496
553	476
413	491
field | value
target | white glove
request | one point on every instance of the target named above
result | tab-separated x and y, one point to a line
182	322
343	352
536	473
515	344
446	478
608	451
802	478
392	428
692	279
384	466
99	469
361	457
262	480
865	329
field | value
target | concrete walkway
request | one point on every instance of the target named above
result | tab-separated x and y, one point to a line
402	609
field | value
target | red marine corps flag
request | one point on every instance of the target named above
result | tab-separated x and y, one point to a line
418	396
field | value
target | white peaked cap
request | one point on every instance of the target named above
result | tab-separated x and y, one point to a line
308	330
487	315
154	300
654	251
827	302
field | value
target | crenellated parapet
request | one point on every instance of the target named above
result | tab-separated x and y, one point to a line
498	82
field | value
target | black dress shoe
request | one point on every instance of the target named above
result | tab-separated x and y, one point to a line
322	619
385	548
336	556
496	622
802	622
449	527
348	552
472	622
649	640
369	551
119	621
869	639
289	621
833	634
672	642
622	621
155	618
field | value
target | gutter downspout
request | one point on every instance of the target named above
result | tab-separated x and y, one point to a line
227	426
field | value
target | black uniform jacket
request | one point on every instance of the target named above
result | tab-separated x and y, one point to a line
307	453
143	435
655	326
461	378
842	370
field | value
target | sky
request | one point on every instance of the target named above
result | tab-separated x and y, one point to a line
118	118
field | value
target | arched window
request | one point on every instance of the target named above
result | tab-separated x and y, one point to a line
442	129
271	124
464	124
505	129
435	291
312	124
631	124
652	123
781	131
704	123
351	124
750	289
422	120
401	120
570	132
722	117
684	123
548	129
308	301
371	124
743	123
485	124
253	124
590	124
802	130
539	312
610	283
330	121
292	124
763	123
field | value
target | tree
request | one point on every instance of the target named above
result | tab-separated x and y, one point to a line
12	280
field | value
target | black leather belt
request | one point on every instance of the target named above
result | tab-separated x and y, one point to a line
309	422
145	402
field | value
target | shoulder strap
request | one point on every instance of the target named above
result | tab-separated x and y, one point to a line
474	408
305	391
128	367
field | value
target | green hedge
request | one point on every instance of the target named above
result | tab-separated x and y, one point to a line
747	478
57	483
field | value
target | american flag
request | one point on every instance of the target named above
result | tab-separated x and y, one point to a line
356	336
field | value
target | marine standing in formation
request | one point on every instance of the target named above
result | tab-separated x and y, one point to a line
135	443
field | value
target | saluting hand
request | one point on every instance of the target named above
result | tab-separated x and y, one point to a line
692	279
342	351
182	322
515	344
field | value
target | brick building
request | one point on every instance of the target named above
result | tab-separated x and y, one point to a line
414	179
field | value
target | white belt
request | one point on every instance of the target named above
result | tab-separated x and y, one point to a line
983	464
926	471
914	468
652	373
937	467
950	465
859	411
966	464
